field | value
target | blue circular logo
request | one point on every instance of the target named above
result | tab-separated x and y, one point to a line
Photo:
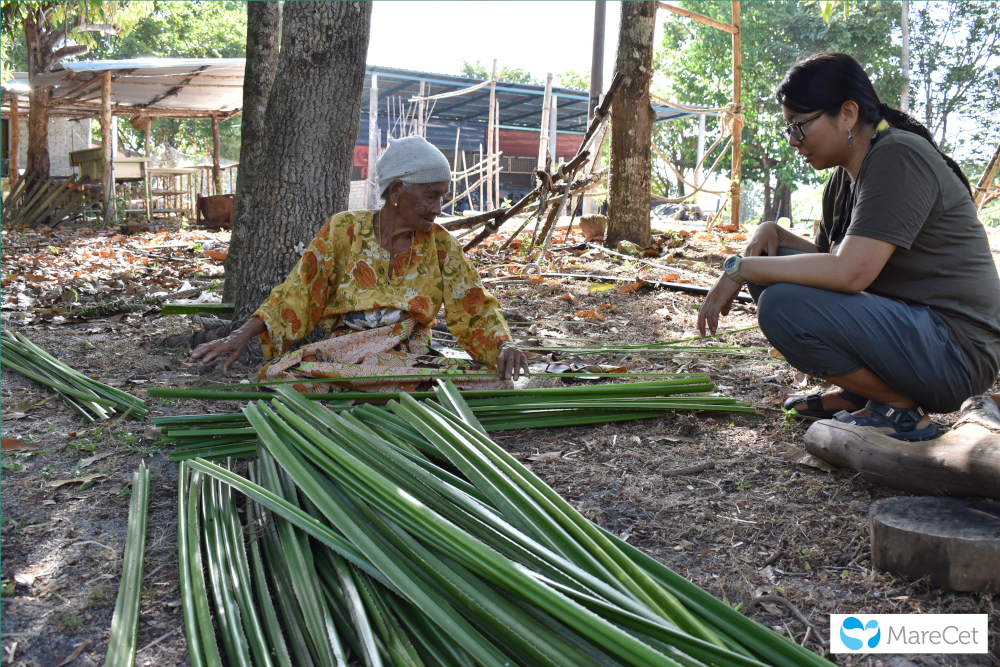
851	623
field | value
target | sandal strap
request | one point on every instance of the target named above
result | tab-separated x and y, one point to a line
900	419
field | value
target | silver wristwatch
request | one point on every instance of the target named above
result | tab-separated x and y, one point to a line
732	267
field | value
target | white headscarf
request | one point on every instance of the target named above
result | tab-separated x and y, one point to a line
412	160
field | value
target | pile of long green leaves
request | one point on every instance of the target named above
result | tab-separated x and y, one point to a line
407	537
220	436
685	349
90	399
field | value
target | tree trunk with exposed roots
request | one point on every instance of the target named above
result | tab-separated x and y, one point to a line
302	174
632	119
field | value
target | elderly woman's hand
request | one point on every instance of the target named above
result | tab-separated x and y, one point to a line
232	346
511	362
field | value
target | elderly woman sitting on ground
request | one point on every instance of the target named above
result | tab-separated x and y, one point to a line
375	281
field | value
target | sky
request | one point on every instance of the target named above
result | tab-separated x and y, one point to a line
540	37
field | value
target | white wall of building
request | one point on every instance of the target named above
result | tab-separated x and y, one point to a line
65	136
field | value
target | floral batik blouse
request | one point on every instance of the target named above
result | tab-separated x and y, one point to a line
345	272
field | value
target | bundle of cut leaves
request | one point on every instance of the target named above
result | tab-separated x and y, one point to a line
220	436
92	400
408	537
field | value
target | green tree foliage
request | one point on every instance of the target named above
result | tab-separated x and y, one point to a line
955	56
573	80
478	70
697	61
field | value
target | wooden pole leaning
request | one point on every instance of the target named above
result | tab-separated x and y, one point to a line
543	137
984	183
701	18
15	142
736	180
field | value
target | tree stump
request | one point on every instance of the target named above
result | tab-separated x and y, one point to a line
964	462
954	542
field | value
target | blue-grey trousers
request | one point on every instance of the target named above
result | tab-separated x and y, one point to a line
831	334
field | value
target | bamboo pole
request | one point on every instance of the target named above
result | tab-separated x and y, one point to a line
701	18
490	129
496	151
481	209
371	187
454	174
107	147
15	142
737	127
420	110
465	170
148	180
543	137
554	128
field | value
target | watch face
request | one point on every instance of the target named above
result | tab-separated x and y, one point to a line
730	263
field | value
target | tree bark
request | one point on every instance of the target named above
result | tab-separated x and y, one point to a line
38	100
302	174
631	127
768	214
263	31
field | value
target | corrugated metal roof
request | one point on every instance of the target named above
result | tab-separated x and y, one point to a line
179	84
520	103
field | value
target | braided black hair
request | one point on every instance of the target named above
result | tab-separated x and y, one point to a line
826	80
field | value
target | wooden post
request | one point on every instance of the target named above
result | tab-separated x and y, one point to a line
737	127
216	155
490	129
107	143
15	141
543	137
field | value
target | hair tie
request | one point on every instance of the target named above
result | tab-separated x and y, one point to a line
883	110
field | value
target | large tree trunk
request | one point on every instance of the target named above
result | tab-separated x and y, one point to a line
768	214
38	100
263	26
631	127
303	173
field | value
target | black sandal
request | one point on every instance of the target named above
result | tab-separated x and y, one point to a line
904	421
814	404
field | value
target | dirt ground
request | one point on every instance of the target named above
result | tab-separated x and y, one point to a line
754	523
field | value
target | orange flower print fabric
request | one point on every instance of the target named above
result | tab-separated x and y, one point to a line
346	270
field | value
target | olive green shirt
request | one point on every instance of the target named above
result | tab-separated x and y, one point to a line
907	195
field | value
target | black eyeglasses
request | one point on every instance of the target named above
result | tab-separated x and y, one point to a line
794	130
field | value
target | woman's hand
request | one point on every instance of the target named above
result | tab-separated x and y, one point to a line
232	346
511	362
765	241
719	300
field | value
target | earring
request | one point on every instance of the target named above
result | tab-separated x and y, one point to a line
395	203
850	139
